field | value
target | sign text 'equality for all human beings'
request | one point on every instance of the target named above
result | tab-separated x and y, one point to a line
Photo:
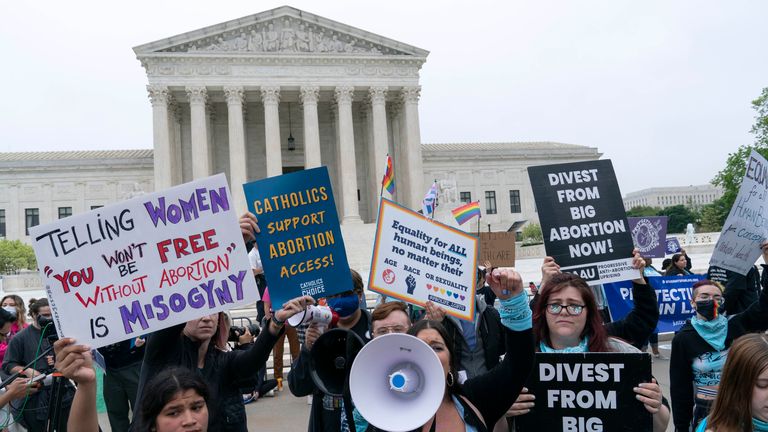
300	243
583	220
416	259
144	264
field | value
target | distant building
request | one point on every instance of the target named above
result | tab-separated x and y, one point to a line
692	196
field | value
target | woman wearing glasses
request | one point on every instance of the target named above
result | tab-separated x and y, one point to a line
700	348
566	319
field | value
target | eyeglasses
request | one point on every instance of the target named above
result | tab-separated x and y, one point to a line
381	331
706	297
573	309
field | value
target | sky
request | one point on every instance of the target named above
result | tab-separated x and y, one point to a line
662	88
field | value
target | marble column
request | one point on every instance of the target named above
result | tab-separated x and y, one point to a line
238	170
309	96
201	163
413	158
347	162
270	96
402	192
159	97
378	96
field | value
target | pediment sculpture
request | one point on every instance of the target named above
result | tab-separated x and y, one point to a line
285	36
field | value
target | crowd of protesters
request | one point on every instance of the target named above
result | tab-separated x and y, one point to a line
188	377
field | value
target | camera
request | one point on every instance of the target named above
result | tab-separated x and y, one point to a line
236	331
48	328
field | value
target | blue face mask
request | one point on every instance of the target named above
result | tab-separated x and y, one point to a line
344	305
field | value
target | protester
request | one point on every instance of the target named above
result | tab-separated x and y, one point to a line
174	400
200	345
566	319
277	353
481	401
679	266
13	304
121	380
700	348
327	413
22	350
742	400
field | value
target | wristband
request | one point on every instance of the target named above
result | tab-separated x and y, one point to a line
277	321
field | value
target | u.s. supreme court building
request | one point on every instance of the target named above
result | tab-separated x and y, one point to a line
275	92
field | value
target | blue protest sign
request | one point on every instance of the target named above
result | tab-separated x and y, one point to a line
673	294
300	243
673	245
648	234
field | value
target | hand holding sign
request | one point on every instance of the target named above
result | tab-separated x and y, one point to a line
638	262
74	361
505	282
650	395
549	268
248	226
523	404
434	312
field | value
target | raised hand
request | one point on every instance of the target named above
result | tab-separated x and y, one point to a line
248	225
505	282
74	361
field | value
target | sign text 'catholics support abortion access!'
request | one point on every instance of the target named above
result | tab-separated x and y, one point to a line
746	226
583	220
588	392
145	264
300	242
416	259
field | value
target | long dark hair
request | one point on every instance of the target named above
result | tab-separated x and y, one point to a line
161	389
440	329
747	359
598	338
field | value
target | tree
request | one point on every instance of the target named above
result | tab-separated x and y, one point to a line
15	256
678	217
713	216
729	178
532	234
641	211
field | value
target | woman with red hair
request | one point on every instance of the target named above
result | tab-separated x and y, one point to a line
566	319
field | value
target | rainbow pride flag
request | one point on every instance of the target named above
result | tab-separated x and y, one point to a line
466	212
388	182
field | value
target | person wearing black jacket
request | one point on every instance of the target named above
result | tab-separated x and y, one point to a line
326	413
700	348
740	290
199	345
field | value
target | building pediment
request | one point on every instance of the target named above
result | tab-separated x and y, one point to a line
280	32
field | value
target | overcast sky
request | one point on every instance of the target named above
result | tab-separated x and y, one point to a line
663	88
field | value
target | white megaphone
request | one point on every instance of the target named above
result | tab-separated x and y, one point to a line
323	316
397	382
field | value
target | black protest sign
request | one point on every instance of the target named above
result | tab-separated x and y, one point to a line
583	220
588	392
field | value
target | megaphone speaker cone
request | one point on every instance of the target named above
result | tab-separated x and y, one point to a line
330	357
397	374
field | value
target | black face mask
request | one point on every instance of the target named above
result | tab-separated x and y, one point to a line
709	309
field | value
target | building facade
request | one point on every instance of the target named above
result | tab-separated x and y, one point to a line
42	187
285	90
691	196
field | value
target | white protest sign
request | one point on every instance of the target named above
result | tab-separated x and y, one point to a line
746	227
145	264
416	259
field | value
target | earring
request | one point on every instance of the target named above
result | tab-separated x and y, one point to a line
449	379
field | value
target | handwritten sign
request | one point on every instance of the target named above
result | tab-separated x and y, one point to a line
672	292
588	392
498	248
145	264
416	259
583	220
746	226
300	243
648	235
